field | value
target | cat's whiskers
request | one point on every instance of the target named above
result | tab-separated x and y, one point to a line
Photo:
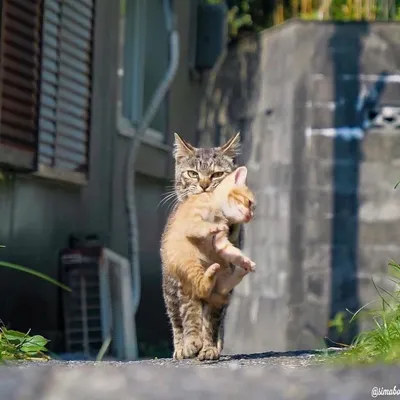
168	196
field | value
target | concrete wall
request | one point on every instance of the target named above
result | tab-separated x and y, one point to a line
304	96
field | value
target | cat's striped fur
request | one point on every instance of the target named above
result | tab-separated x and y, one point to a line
192	317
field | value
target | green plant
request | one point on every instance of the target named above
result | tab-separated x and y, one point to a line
382	343
16	345
338	322
21	346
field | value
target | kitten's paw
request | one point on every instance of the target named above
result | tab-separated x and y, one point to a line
217	228
247	264
178	353
209	353
192	346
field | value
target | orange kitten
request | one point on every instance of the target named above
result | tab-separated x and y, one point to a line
195	248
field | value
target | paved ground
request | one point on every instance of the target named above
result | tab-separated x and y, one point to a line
271	376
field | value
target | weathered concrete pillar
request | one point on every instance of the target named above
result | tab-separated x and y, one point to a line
318	107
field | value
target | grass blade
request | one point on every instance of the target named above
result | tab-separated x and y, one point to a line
103	349
35	273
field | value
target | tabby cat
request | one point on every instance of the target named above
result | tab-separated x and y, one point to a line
195	248
198	170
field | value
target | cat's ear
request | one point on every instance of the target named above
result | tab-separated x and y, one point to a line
231	147
240	176
182	148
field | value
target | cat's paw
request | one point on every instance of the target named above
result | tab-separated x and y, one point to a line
209	353
212	270
178	353
208	282
192	346
247	264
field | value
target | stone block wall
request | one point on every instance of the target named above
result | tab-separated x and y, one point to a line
317	107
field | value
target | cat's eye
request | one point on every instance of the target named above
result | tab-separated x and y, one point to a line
217	175
192	174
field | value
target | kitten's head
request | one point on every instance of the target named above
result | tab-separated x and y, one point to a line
236	200
200	170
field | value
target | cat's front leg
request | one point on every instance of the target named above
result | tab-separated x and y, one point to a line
198	281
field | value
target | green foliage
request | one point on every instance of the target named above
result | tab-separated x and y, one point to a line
256	15
21	346
17	345
382	343
238	20
338	322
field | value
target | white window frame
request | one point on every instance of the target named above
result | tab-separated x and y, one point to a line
133	83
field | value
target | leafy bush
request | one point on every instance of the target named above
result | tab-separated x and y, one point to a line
21	346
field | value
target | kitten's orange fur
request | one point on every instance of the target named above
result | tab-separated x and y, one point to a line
195	248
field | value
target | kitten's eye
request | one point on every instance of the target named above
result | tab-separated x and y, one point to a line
192	174
216	175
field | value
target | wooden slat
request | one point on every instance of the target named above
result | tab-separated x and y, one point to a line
18	95
70	14
14	58
73	133
80	79
19	77
86	8
72	145
73	63
17	14
66	83
71	109
11	119
66	154
18	82
75	31
23	110
30	7
13	134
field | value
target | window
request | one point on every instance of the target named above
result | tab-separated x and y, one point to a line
46	85
142	64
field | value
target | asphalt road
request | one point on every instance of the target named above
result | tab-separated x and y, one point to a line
297	375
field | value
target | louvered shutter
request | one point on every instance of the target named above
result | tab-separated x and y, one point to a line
19	82
66	87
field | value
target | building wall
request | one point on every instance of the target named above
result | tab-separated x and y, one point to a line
327	216
153	179
39	214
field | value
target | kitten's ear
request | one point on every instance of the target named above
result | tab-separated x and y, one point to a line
240	176
231	147
182	148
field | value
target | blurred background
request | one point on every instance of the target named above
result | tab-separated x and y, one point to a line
314	89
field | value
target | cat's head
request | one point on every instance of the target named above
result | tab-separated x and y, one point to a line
200	170
236	200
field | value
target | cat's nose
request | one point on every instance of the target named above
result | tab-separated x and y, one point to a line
204	184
